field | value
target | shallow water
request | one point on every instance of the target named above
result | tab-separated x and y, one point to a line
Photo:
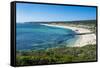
35	36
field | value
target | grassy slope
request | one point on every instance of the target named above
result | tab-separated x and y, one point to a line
57	55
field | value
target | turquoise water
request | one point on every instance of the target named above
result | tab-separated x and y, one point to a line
30	36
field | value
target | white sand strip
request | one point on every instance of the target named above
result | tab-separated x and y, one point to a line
84	39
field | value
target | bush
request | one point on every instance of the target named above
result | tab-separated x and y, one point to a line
57	55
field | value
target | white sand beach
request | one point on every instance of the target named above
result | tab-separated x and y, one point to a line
83	39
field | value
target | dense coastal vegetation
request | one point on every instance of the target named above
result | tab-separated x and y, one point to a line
57	55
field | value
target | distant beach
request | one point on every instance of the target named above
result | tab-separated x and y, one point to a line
83	39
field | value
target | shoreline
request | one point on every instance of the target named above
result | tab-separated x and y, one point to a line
83	39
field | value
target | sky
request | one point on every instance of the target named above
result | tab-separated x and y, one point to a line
27	12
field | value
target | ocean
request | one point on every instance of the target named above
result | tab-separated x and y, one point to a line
33	36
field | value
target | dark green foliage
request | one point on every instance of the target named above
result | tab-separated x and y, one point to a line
57	55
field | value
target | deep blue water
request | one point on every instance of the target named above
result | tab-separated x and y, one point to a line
35	36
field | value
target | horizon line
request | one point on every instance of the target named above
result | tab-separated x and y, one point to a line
58	21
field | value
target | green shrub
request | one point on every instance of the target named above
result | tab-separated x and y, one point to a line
57	55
